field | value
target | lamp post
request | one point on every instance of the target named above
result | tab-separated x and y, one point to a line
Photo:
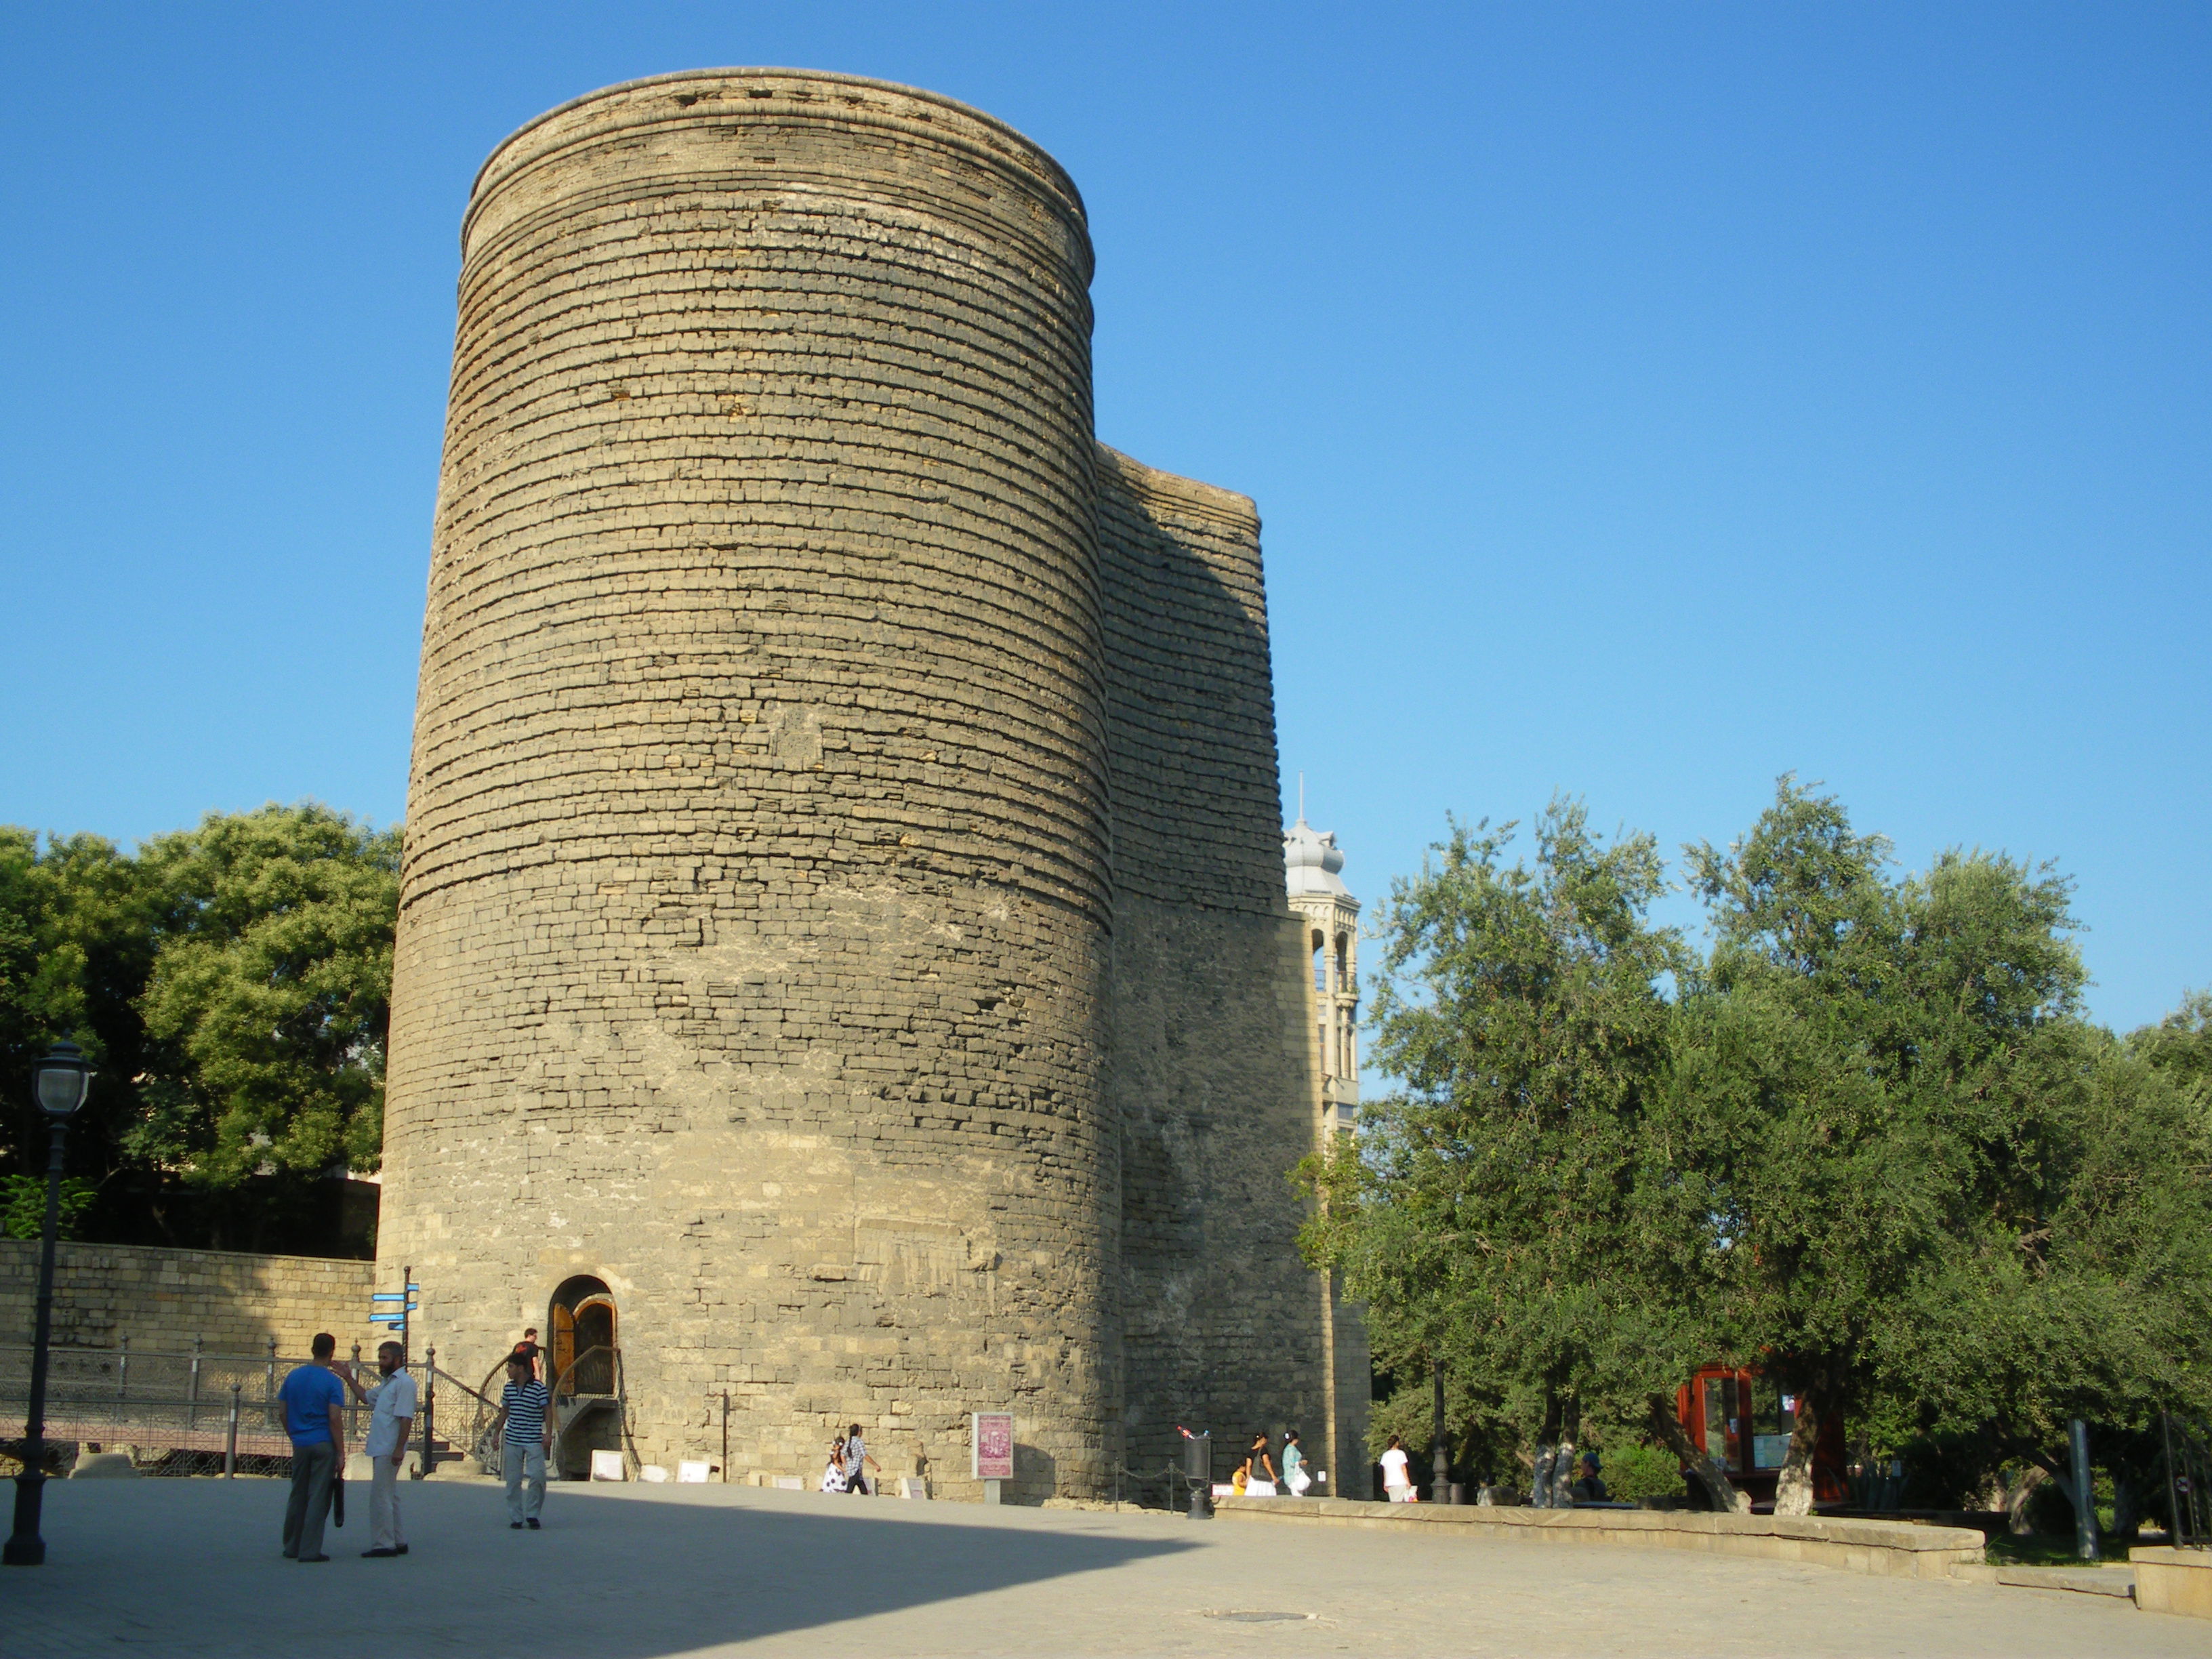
61	1080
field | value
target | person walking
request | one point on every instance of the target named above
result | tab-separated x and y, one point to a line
1294	1466
312	1396
525	1425
1259	1468
1397	1477
392	1406
857	1461
833	1475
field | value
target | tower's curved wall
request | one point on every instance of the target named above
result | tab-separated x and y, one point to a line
753	947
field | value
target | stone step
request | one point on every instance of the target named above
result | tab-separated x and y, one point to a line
2084	1580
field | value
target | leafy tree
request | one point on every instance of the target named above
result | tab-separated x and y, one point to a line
270	995
229	984
23	1205
1488	1216
2088	1291
76	943
1863	1079
2180	1045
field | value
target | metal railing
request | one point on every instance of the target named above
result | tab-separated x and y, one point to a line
472	1427
2188	1450
186	1412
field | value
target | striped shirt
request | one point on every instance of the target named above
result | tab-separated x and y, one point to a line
525	1413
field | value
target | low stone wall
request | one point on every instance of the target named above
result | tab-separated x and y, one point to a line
162	1300
1883	1549
2174	1581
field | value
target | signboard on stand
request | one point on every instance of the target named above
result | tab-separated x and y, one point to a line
991	1451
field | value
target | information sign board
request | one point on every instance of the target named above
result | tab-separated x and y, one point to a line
991	1445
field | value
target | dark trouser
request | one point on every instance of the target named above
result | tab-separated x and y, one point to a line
857	1483
312	1465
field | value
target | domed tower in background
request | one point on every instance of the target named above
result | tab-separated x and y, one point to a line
1311	860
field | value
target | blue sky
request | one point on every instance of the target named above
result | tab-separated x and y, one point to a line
1642	401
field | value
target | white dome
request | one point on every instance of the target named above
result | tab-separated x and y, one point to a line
1311	860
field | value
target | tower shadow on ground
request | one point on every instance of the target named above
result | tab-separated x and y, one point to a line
193	1567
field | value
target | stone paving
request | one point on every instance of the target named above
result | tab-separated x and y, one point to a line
192	1568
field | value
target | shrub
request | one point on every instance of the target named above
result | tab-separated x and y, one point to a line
1638	1473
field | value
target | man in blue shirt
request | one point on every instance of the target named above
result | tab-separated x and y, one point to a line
312	1396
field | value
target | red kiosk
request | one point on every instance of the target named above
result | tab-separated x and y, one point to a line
1742	1421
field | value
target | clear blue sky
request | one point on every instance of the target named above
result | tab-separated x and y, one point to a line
1642	401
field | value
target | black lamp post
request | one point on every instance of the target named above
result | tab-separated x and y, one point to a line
62	1079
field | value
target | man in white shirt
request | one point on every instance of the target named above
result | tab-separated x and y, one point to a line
390	1418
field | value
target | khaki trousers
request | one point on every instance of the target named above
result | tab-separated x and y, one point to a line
524	1465
384	1532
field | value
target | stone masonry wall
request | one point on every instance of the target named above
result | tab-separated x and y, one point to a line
822	869
753	938
1212	1072
161	1299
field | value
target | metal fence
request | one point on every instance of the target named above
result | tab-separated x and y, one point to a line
2188	1480
196	1413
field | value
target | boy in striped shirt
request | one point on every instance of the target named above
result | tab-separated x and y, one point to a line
526	1442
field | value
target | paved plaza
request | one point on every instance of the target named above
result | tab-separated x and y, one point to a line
191	1567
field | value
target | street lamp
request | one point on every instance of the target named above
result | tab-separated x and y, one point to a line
61	1080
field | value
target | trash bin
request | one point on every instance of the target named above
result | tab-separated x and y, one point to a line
1198	1472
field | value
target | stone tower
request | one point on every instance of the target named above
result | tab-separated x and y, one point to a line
841	962
1311	861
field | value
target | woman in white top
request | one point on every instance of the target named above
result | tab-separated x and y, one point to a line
833	1478
1294	1466
1397	1478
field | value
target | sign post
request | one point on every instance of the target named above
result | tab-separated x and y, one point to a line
991	1451
381	1312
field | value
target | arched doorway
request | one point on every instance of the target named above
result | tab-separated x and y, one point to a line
583	1322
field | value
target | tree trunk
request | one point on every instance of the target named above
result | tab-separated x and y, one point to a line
1793	1488
1666	1429
2127	1508
1546	1478
2017	1498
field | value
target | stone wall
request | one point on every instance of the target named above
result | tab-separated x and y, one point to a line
162	1300
785	830
1214	1074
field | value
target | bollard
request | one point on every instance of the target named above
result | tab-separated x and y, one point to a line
725	1437
230	1445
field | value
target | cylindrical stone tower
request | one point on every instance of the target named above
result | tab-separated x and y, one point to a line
748	1002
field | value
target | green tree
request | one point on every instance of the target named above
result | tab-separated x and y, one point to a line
2180	1045
2087	1290
76	943
1863	1077
1488	1216
270	995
